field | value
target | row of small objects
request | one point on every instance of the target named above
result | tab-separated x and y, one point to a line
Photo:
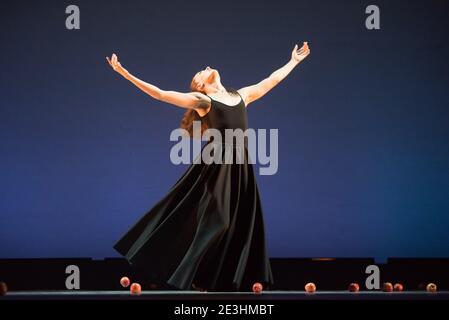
310	287
386	287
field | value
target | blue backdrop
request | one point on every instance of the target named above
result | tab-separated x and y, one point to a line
363	122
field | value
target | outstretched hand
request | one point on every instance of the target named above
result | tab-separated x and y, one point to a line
301	54
116	65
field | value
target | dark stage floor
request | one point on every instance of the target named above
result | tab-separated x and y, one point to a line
195	295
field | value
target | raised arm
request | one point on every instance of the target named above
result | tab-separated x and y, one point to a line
191	100
257	91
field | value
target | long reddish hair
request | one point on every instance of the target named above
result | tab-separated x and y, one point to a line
191	115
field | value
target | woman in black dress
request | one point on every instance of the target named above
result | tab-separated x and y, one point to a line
208	231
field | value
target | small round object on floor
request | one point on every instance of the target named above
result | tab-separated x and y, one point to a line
125	282
398	287
3	288
257	287
135	289
354	287
387	287
431	287
310	287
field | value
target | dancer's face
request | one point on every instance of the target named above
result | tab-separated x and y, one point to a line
205	77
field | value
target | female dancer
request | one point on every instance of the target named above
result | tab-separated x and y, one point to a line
208	231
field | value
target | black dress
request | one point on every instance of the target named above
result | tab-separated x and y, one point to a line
209	229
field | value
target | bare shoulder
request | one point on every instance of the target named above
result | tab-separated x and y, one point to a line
243	92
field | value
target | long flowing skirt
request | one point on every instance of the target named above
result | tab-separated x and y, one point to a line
208	230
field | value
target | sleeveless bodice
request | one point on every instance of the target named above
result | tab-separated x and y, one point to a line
222	116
